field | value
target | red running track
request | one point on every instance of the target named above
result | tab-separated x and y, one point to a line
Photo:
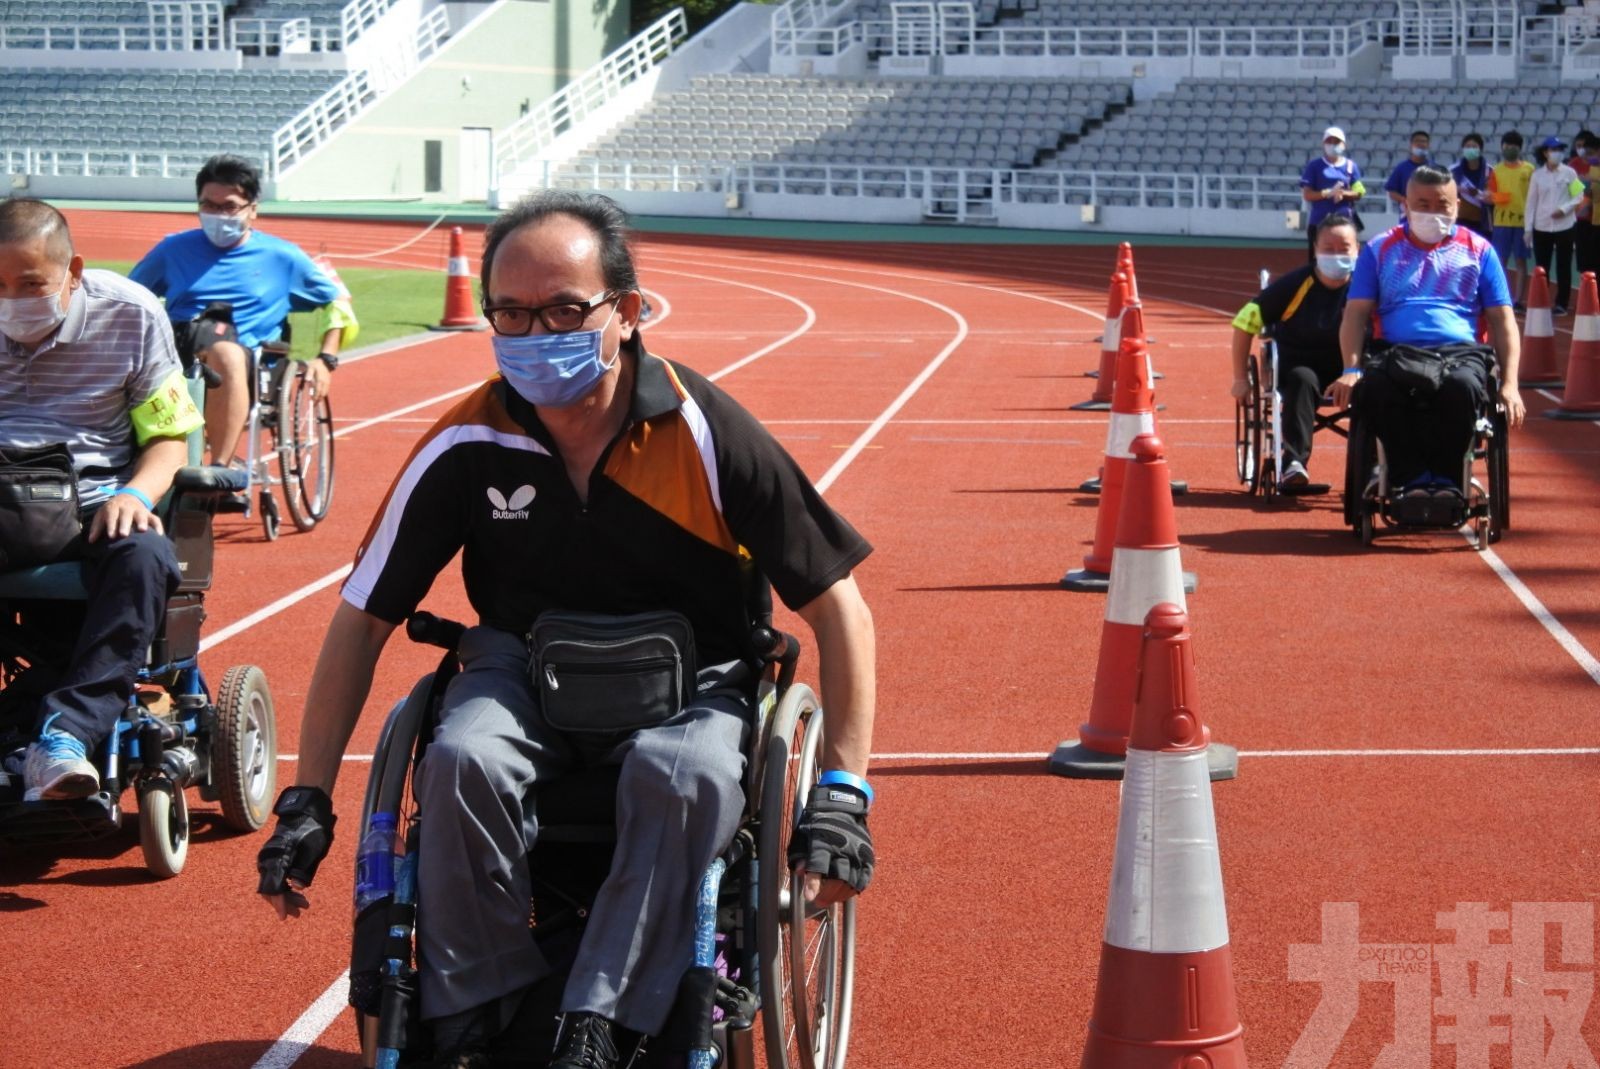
981	934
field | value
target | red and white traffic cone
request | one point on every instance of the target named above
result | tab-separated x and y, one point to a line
1132	413
1539	366
1110	344
1581	398
1146	571
1125	265
1165	994
459	311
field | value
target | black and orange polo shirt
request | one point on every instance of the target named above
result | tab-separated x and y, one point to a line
691	494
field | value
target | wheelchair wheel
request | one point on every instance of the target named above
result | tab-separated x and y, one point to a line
305	449
163	827
807	954
244	748
1499	462
270	521
1247	431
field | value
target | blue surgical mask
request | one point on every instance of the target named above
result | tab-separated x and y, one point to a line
1335	268
553	370
224	231
1418	153
1333	151
1471	154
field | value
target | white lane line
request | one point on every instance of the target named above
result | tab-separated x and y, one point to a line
405	341
276	607
407	410
810	321
310	1024
1558	631
955	758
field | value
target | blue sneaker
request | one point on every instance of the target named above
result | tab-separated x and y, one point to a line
57	766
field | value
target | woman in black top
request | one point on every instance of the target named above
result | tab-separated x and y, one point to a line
1303	309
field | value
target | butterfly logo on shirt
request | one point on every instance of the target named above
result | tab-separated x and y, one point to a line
513	508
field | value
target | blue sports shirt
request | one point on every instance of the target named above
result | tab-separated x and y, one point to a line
1321	173
1429	296
263	277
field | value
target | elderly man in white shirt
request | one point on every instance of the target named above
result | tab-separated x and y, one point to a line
1551	217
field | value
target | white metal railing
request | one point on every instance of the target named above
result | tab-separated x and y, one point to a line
1490	27
798	18
358	91
1097	41
1249	42
359	16
574	102
52	36
1430	28
958	191
320	120
394	64
266	37
186	25
102	162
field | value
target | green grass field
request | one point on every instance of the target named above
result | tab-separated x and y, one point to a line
390	304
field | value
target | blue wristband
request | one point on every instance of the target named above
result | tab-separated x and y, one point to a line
842	778
1351	371
138	495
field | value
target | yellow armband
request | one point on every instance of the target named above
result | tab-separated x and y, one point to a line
1575	188
1359	189
1249	319
340	316
168	413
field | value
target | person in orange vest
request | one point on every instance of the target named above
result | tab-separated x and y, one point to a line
1508	192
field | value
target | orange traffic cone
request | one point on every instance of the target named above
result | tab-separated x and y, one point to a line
1539	336
1132	413
1125	265
1146	571
1110	343
1581	398
1165	995
459	311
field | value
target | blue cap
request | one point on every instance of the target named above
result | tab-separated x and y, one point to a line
1553	142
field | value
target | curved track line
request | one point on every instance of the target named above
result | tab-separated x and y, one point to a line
308	1026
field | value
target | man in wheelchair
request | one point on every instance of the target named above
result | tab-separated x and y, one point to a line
1303	309
1426	285
93	416
610	507
229	288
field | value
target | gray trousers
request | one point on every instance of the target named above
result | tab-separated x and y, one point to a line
678	804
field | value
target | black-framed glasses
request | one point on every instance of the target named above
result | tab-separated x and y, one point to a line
562	318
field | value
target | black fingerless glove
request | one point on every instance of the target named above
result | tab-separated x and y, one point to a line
299	842
832	839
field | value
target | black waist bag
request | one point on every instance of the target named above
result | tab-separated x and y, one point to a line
611	674
1418	371
38	505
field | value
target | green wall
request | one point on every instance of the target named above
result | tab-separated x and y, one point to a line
521	50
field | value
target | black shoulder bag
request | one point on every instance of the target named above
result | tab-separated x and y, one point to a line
38	505
602	674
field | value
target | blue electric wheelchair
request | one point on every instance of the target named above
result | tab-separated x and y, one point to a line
764	960
1372	504
176	732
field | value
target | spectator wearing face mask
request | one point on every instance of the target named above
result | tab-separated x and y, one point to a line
1584	160
1303	309
1331	184
1471	173
1508	192
1554	194
1401	174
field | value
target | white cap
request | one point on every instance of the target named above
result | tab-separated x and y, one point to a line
1333	133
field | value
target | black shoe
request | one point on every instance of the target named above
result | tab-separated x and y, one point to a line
472	1056
586	1041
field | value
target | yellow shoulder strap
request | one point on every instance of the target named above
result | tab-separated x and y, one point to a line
1300	295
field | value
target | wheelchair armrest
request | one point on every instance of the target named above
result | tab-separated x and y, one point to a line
210	479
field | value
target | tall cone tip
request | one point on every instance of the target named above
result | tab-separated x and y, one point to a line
1166	620
1588	296
1147	449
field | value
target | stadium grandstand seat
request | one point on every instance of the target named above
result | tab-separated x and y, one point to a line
1298	112
151	111
907	122
77	12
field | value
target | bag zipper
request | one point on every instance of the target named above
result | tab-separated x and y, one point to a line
611	668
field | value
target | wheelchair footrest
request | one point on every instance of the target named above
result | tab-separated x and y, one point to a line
59	821
1429	510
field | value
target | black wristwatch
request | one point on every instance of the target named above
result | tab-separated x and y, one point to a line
329	359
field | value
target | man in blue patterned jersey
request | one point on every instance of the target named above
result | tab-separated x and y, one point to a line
595	476
1431	284
86	360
